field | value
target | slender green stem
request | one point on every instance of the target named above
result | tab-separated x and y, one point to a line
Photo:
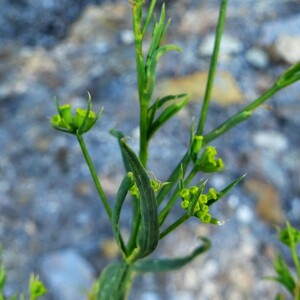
138	37
164	213
296	260
241	116
94	175
136	217
141	77
297	290
143	134
212	68
172	179
173	226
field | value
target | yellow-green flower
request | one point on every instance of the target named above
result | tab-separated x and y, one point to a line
208	162
81	122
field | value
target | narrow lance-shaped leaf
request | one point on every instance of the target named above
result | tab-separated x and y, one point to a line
151	68
157	33
113	282
284	275
195	198
120	198
120	135
168	113
165	265
149	234
291	75
226	190
159	103
149	17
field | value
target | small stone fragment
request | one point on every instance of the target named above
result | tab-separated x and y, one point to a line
257	58
286	48
225	91
270	140
229	45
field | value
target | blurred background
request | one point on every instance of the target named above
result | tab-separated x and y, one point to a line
51	220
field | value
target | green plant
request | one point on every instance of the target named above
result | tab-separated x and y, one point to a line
290	237
152	200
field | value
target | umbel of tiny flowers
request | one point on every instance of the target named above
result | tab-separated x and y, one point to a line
209	162
195	202
79	123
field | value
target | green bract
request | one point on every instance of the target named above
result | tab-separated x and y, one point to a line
36	287
79	123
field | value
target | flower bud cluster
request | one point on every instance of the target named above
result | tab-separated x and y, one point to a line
81	122
201	209
208	162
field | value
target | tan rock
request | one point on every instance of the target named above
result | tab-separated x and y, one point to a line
198	21
267	197
100	23
225	91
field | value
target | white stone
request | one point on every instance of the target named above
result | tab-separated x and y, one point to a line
257	58
270	140
286	47
127	36
229	45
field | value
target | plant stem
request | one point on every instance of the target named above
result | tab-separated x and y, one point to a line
141	76
94	175
136	217
241	116
172	179
173	226
212	68
143	134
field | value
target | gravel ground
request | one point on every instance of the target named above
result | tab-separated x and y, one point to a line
47	200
